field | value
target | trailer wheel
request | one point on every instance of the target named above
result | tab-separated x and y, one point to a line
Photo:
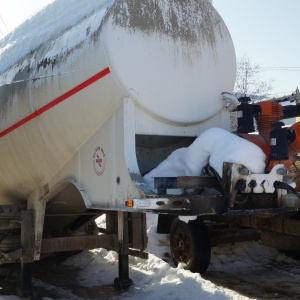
190	245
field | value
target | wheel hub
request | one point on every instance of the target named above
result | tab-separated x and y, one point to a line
181	245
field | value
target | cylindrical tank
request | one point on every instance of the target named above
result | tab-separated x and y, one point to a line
172	58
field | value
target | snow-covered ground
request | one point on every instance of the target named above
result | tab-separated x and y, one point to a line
157	278
153	278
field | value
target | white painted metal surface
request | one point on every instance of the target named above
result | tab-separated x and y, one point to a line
63	110
181	60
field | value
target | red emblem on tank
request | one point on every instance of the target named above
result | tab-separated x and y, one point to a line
99	161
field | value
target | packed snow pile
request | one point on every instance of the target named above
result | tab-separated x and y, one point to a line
157	278
214	146
153	278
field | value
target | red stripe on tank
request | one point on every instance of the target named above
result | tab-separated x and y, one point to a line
56	101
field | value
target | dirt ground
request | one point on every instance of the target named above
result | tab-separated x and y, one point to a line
276	281
54	280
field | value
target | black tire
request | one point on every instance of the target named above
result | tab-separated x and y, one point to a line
190	245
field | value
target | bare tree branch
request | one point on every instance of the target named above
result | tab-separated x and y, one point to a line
248	83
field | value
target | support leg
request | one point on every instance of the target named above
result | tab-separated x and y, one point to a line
26	280
123	282
27	242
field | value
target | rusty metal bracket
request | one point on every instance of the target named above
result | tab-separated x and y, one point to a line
62	244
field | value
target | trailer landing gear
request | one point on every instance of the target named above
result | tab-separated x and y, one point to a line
190	245
25	290
123	282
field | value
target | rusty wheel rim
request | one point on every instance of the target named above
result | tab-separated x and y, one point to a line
181	246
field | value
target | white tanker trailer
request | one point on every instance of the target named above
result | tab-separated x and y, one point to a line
95	106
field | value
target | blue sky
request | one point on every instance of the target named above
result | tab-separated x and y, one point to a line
264	30
267	31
